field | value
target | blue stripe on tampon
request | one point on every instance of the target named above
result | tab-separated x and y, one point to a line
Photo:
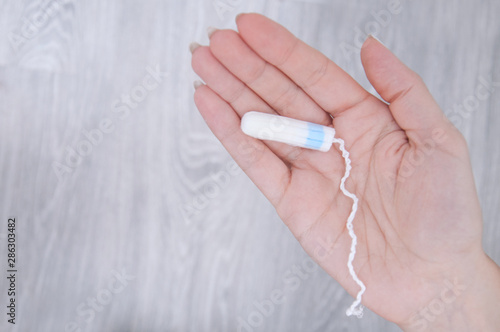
315	136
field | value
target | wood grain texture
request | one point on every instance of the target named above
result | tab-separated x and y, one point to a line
127	208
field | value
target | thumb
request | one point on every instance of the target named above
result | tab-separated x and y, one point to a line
410	102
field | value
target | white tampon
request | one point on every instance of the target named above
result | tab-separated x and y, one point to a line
286	130
311	136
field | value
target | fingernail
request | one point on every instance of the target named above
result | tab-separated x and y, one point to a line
193	46
210	31
374	37
197	84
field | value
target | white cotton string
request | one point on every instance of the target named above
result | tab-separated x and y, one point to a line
356	308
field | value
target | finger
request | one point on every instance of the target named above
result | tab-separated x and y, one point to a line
327	84
410	102
225	84
262	166
275	88
237	94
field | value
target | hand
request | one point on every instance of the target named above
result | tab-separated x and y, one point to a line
419	221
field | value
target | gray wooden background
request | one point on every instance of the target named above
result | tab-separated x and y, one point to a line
153	229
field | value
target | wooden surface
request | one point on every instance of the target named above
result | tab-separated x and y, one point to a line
158	199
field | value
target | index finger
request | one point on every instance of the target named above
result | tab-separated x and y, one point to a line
325	82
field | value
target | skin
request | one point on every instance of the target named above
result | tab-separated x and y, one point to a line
419	221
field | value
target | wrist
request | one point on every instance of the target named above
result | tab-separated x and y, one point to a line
469	301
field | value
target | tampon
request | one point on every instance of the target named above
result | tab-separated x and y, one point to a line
286	130
312	136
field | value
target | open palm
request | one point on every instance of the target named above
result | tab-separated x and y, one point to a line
419	220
